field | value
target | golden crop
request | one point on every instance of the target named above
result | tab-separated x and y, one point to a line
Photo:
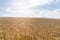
29	29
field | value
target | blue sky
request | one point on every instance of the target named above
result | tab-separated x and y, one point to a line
52	6
30	8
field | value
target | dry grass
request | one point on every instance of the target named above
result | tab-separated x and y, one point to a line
29	29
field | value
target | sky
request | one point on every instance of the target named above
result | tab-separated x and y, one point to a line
30	8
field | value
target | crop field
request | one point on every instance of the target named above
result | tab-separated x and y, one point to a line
29	29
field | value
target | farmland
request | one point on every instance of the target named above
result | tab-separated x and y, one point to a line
29	29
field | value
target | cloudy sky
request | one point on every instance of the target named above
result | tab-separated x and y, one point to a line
30	8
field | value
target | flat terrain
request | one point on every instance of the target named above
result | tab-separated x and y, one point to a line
29	29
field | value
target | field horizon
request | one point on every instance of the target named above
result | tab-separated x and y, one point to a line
14	28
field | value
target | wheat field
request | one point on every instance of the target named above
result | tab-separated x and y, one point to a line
29	29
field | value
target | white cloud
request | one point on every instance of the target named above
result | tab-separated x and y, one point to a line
28	3
8	9
48	13
22	8
37	13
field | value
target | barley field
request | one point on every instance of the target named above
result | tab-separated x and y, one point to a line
29	29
